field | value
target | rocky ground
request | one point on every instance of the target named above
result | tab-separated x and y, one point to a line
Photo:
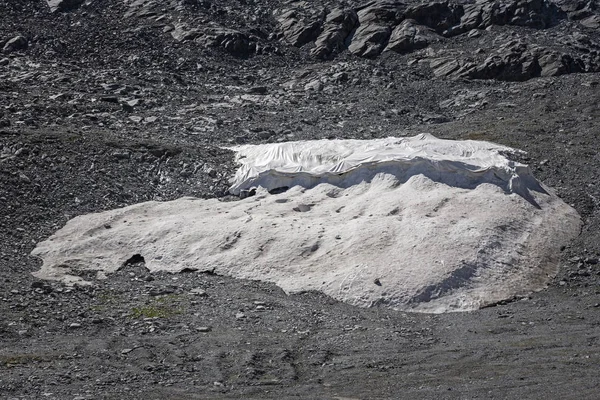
114	102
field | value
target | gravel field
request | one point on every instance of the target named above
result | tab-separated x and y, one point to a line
109	103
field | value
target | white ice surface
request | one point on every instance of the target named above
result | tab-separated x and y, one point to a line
414	223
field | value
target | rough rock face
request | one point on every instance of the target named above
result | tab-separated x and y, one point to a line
538	14
375	27
439	16
409	36
235	42
300	28
514	61
325	30
579	9
337	28
592	22
64	5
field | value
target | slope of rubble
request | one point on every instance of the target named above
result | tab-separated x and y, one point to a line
109	103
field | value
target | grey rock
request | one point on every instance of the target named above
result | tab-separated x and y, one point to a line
315	85
539	14
338	25
409	36
198	292
64	5
110	99
375	27
340	77
24	178
434	119
240	315
234	42
121	155
370	40
300	26
578	10
439	16
450	67
518	61
4	62
110	86
133	103
182	32
262	90
514	61
204	329
160	291
592	22
553	63
14	44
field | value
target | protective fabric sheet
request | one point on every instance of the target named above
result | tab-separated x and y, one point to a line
416	224
347	162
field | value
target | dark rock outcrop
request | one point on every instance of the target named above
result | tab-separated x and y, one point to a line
538	14
515	61
375	27
64	5
579	10
338	26
234	42
300	27
439	16
410	36
451	67
592	22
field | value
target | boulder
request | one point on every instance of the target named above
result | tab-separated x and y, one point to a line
234	42
515	61
439	16
64	5
375	27
300	26
518	61
538	14
578	9
409	36
338	26
370	40
553	63
450	67
182	32
592	22
512	62
15	44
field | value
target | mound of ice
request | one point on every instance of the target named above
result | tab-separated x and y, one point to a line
416	223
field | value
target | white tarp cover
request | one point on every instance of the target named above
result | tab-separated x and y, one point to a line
415	223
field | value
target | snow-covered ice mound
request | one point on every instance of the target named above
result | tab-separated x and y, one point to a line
415	223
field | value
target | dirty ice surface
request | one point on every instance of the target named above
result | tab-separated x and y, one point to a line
418	224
